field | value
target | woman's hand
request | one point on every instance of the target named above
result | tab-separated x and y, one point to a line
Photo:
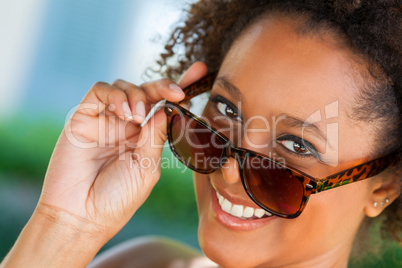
105	165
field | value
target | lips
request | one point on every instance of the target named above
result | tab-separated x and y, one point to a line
241	211
250	219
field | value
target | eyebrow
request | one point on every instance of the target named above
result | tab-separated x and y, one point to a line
294	122
229	88
289	120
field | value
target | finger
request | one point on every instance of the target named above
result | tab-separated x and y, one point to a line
136	98
163	89
166	89
145	160
102	95
196	71
157	133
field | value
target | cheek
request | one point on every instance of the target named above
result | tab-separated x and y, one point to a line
338	212
202	192
330	220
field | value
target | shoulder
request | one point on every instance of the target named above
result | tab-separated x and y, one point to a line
150	251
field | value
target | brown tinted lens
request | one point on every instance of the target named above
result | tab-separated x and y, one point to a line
195	145
272	186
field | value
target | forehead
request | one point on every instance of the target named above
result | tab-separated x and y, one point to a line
275	67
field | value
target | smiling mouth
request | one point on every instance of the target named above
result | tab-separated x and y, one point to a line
240	211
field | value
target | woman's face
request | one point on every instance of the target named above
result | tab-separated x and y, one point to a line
276	80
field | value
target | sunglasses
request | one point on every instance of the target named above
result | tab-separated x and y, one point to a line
277	188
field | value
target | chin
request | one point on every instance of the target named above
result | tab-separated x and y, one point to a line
229	241
221	251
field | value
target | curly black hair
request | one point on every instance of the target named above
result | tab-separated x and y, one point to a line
370	29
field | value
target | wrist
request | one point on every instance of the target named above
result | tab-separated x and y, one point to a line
55	238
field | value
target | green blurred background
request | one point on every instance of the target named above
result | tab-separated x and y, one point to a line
26	149
51	53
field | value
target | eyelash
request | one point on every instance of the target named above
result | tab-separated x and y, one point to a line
303	143
216	100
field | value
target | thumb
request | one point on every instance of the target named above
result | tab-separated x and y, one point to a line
153	137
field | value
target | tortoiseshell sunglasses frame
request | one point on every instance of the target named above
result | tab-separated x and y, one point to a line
311	185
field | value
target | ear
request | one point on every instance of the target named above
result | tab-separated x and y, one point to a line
382	193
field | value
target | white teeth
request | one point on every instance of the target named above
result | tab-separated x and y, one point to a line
240	211
248	212
237	210
226	206
259	212
220	198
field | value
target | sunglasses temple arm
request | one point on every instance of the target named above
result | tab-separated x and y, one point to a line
199	87
159	105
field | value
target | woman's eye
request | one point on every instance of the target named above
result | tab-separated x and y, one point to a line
226	110
295	147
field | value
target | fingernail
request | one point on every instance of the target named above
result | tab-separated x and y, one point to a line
127	111
138	119
176	88
140	109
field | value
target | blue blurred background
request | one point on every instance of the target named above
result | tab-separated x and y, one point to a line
51	52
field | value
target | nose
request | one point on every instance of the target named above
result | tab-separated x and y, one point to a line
230	171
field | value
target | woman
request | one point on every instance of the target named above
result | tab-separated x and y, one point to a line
314	85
